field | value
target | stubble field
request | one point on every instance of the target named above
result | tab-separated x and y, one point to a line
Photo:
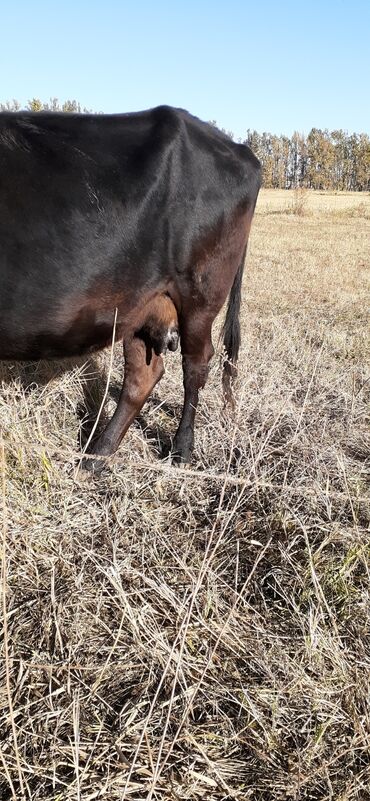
201	633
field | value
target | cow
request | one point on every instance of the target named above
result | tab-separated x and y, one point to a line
127	225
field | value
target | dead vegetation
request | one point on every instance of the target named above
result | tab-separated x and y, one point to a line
300	200
203	633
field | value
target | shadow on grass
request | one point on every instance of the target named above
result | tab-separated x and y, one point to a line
33	375
159	437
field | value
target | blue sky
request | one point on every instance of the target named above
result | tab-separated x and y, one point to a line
272	66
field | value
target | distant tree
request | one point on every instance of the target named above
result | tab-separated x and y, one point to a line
72	107
363	163
229	134
320	159
253	141
10	105
34	105
69	106
297	165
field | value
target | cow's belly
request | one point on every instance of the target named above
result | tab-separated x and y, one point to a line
48	339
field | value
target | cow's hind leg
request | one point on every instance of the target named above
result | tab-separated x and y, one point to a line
143	369
197	350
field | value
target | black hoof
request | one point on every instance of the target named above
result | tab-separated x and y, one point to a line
93	466
180	456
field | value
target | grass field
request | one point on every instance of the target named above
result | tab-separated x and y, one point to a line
205	633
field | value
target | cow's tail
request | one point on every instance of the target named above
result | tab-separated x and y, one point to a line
231	333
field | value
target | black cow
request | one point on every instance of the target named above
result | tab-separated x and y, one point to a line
102	217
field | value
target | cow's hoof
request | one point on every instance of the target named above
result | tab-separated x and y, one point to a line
180	456
91	466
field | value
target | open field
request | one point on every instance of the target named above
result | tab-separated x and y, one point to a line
336	204
205	633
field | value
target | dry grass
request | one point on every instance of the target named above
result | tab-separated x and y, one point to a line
332	204
204	633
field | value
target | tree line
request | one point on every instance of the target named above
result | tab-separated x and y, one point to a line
71	106
323	159
333	160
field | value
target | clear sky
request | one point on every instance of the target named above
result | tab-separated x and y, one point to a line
273	66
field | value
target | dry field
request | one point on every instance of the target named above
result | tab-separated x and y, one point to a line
205	633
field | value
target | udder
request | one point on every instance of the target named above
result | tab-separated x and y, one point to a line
159	325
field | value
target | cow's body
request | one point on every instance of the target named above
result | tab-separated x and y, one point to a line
101	215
